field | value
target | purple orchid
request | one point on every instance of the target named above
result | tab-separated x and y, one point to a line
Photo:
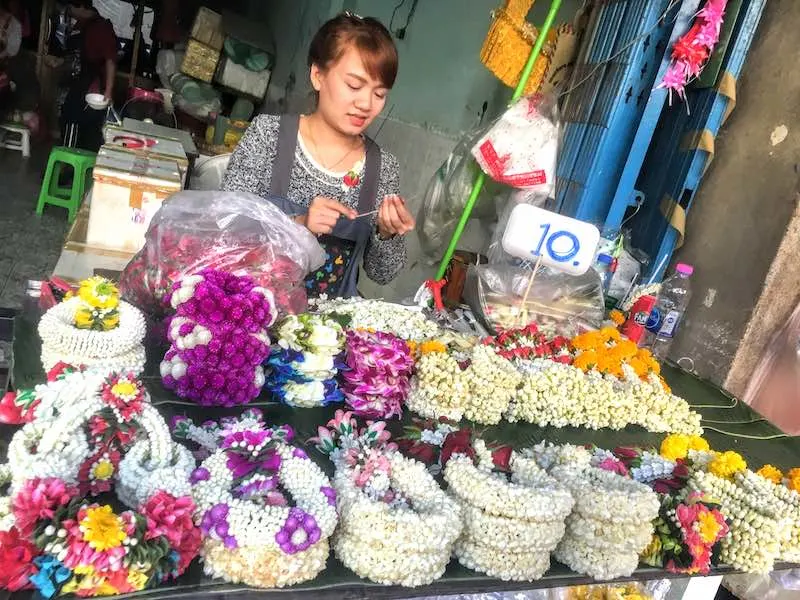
299	532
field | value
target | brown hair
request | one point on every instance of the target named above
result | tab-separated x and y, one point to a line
368	35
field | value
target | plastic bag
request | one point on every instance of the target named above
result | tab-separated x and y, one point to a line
559	303
446	196
651	590
237	232
521	147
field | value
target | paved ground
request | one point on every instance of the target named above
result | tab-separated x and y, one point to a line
29	245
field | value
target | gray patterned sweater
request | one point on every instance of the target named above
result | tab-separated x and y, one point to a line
250	170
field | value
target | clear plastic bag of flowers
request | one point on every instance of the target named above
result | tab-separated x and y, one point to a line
235	232
559	303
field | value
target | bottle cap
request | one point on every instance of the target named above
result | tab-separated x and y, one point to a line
684	269
605	259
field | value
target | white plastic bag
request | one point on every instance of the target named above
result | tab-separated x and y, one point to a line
521	147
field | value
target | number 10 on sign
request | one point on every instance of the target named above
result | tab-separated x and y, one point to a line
560	242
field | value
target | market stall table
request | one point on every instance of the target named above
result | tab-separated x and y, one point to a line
721	411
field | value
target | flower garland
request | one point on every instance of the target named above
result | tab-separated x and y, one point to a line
561	395
397	527
218	338
59	542
529	342
438	389
405	322
251	533
302	369
511	524
612	519
118	348
377	379
99	303
692	51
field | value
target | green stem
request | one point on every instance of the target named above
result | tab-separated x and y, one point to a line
481	178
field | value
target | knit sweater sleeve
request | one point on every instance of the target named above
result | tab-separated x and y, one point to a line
250	165
384	259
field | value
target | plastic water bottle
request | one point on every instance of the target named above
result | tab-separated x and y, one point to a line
666	317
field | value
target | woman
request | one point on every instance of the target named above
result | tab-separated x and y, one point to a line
323	171
98	56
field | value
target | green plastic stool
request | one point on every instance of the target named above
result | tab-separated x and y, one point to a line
82	162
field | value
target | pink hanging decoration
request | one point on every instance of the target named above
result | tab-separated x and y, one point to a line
692	51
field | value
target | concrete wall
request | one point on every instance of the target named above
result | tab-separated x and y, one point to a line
746	200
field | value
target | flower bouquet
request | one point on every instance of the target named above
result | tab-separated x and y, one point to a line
376	381
513	512
397	527
244	491
95	329
302	369
612	521
60	542
218	338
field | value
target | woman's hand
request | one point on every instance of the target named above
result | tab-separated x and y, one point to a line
323	213
394	218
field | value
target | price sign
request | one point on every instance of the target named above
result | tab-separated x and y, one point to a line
563	243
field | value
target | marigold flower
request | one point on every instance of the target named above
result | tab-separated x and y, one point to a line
771	473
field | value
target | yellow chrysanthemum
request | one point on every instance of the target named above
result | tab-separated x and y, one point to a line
793	483
610	334
432	346
137	579
590	340
124	388
111	321
793	473
84	318
626	349
617	317
727	464
102	528
708	527
647	357
771	473
608	364
639	367
675	446
586	360
99	292
103	469
412	347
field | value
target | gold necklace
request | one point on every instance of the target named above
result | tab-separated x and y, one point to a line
319	155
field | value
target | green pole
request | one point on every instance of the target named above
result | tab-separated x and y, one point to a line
481	178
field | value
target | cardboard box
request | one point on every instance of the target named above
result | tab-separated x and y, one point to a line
80	260
128	190
241	79
200	61
147	145
207	28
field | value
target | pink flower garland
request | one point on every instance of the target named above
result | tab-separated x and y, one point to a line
692	51
378	377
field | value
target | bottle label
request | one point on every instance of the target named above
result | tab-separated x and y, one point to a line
654	320
670	325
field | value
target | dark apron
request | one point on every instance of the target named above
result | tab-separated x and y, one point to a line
356	230
81	126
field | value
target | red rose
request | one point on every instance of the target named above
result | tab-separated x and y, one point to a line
501	457
59	369
457	442
625	452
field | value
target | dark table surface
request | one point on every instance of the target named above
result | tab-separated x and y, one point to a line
730	418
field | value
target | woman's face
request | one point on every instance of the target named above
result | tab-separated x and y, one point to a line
349	97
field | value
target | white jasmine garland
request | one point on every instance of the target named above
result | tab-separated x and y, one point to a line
511	535
405	322
491	381
763	526
140	474
25	457
66	390
597	563
439	388
61	337
502	564
387	565
609	535
560	395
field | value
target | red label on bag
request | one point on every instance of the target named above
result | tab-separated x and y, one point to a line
497	165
